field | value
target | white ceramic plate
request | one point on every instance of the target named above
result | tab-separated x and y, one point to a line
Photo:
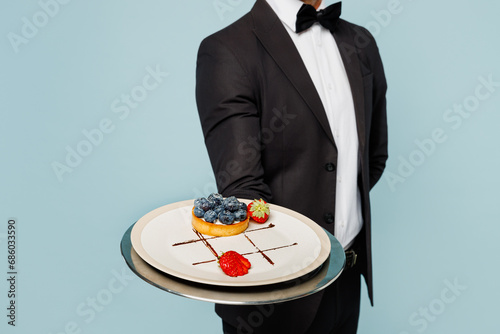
287	246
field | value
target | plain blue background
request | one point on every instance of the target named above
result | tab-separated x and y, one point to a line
435	220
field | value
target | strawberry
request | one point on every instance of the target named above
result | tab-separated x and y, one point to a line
243	260
259	210
233	264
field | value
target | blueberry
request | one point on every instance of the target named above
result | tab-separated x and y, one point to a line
197	202
216	198
240	215
226	217
232	205
218	209
198	212
204	204
242	206
210	216
229	199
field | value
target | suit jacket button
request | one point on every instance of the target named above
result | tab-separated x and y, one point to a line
330	167
329	218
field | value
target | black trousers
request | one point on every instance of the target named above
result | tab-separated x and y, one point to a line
340	318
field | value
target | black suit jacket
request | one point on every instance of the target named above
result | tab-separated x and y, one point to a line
266	130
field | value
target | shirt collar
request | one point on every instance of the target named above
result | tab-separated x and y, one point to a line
287	10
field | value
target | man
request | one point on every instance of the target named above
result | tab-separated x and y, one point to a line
292	106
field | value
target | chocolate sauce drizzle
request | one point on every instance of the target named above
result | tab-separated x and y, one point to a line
210	238
202	238
251	253
261	252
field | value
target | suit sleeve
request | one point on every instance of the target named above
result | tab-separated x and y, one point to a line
378	153
227	106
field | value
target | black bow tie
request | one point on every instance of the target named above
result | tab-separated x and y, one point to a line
327	17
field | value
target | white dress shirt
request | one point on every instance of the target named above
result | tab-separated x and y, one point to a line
321	56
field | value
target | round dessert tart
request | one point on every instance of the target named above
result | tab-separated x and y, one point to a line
218	230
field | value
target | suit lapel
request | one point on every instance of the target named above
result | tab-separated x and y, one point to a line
278	44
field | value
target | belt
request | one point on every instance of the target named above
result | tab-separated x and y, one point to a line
350	258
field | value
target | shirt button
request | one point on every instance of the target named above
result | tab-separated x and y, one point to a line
329	218
330	167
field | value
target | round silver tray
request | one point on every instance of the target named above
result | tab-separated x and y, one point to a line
300	287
